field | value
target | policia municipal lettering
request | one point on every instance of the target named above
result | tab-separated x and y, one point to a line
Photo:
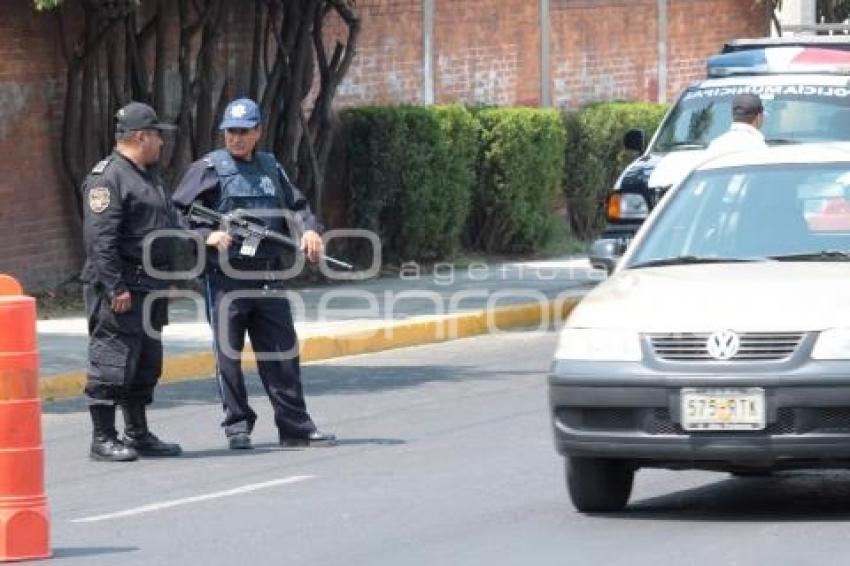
124	201
247	299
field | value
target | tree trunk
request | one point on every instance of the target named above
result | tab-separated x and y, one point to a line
113	60
159	86
205	108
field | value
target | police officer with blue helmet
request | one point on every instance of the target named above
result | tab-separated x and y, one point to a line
241	295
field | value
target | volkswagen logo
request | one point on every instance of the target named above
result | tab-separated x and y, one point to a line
723	345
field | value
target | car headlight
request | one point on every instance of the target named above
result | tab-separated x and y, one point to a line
593	344
627	206
832	344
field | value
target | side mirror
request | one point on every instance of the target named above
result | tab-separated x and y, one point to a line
635	140
604	253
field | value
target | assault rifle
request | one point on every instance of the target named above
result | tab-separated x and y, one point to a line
249	231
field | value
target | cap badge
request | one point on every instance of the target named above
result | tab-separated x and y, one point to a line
238	111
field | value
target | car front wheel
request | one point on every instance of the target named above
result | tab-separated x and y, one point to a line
597	485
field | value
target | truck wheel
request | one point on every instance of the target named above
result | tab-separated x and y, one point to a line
597	485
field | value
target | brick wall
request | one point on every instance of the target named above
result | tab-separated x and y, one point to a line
38	228
388	64
603	54
487	52
687	51
484	51
612	53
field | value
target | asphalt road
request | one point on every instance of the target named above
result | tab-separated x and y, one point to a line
446	458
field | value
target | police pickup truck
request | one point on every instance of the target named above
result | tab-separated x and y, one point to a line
804	84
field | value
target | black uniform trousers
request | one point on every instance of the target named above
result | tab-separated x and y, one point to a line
125	361
266	316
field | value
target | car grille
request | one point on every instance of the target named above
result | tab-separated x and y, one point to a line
755	346
829	419
609	418
657	420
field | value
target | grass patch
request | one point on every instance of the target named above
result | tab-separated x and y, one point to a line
562	242
59	305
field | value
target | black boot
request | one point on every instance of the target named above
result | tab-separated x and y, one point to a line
105	446
137	435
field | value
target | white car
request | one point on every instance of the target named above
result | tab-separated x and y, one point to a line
722	339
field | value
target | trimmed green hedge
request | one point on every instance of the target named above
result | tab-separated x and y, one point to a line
521	164
595	157
411	175
423	178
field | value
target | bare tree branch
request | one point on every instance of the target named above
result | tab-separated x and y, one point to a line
67	50
110	61
256	49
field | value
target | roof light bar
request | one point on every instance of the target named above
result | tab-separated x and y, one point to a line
775	60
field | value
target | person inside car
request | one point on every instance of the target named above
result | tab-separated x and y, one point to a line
747	120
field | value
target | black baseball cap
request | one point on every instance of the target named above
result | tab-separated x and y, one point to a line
139	116
746	106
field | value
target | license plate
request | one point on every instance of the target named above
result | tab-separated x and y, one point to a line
723	409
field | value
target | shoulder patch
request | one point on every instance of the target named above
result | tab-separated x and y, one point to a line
100	167
99	198
209	162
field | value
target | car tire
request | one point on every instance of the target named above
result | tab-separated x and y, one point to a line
597	486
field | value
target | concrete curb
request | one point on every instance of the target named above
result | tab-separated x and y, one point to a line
391	334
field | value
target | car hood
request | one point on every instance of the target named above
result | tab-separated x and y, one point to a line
746	297
675	166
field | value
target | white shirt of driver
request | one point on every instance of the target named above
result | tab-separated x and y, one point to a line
740	136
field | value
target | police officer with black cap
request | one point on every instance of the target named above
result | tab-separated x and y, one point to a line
124	201
239	176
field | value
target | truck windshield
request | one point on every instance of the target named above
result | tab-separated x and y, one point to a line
797	111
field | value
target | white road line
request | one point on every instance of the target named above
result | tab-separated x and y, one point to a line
187	500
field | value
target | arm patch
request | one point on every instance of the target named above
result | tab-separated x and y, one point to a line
99	198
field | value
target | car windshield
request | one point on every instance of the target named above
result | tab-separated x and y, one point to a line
798	212
794	112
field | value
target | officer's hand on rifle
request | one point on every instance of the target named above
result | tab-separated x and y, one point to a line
121	302
312	245
220	240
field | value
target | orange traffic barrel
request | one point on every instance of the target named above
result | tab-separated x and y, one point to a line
24	520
